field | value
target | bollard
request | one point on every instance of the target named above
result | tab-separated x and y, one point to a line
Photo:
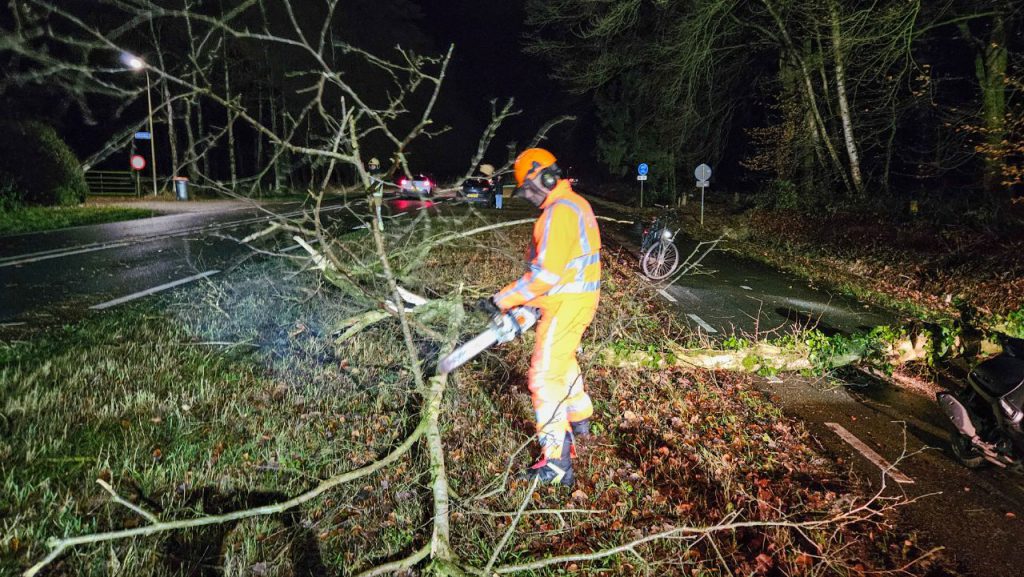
181	187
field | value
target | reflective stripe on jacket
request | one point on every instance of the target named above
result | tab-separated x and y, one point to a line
565	256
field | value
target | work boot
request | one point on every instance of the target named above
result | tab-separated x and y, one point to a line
552	471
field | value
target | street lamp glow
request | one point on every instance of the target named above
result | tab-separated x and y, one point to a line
137	64
134	62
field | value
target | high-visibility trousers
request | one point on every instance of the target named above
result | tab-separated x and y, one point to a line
555	380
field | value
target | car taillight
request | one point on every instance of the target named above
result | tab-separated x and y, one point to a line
402	182
428	182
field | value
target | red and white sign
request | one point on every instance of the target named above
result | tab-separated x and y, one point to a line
138	162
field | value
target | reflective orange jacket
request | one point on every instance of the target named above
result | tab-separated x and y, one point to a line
565	256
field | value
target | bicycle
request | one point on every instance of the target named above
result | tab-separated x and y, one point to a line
659	256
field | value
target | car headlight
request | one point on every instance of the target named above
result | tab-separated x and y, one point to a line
666	235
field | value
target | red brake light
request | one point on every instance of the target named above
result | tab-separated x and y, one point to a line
402	182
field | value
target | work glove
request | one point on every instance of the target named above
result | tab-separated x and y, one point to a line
488	307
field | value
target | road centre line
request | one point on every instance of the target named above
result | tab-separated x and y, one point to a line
65	252
667	296
109	244
708	328
870	454
153	290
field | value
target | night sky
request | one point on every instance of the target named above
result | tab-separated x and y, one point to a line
489	62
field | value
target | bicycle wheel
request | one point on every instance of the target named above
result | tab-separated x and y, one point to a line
660	260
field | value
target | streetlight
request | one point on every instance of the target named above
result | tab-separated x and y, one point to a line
136	64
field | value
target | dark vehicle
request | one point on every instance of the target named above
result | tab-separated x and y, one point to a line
419	185
478	190
986	416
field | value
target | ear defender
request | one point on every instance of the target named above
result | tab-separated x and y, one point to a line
549	177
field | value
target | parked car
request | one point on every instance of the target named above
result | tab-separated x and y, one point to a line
420	185
478	190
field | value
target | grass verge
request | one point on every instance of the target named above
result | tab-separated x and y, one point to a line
236	394
43	218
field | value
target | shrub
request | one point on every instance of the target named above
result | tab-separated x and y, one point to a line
10	195
37	166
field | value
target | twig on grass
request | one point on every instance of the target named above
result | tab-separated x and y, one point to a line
121	501
400	565
511	527
58	546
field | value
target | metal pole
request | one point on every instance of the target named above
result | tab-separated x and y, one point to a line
641	194
152	137
702	206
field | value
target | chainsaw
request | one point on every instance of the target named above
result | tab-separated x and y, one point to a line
502	328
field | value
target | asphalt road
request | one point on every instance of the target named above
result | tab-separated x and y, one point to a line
55	276
976	515
730	295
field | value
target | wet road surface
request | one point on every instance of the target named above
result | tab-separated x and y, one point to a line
975	514
48	277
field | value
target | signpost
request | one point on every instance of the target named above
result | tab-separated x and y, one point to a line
702	173
641	175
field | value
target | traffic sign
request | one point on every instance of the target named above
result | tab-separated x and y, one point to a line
143	136
703	184
703	172
138	162
642	169
641	177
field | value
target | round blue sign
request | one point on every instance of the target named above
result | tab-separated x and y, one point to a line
642	169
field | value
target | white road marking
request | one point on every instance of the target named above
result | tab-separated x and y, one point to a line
870	454
745	287
710	329
93	247
153	290
667	296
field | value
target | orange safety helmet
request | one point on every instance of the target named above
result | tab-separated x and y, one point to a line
531	162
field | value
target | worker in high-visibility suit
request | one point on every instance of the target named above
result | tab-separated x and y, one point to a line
564	282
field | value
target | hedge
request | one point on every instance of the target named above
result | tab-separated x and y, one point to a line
37	167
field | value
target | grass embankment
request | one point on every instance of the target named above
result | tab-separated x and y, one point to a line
238	395
43	218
